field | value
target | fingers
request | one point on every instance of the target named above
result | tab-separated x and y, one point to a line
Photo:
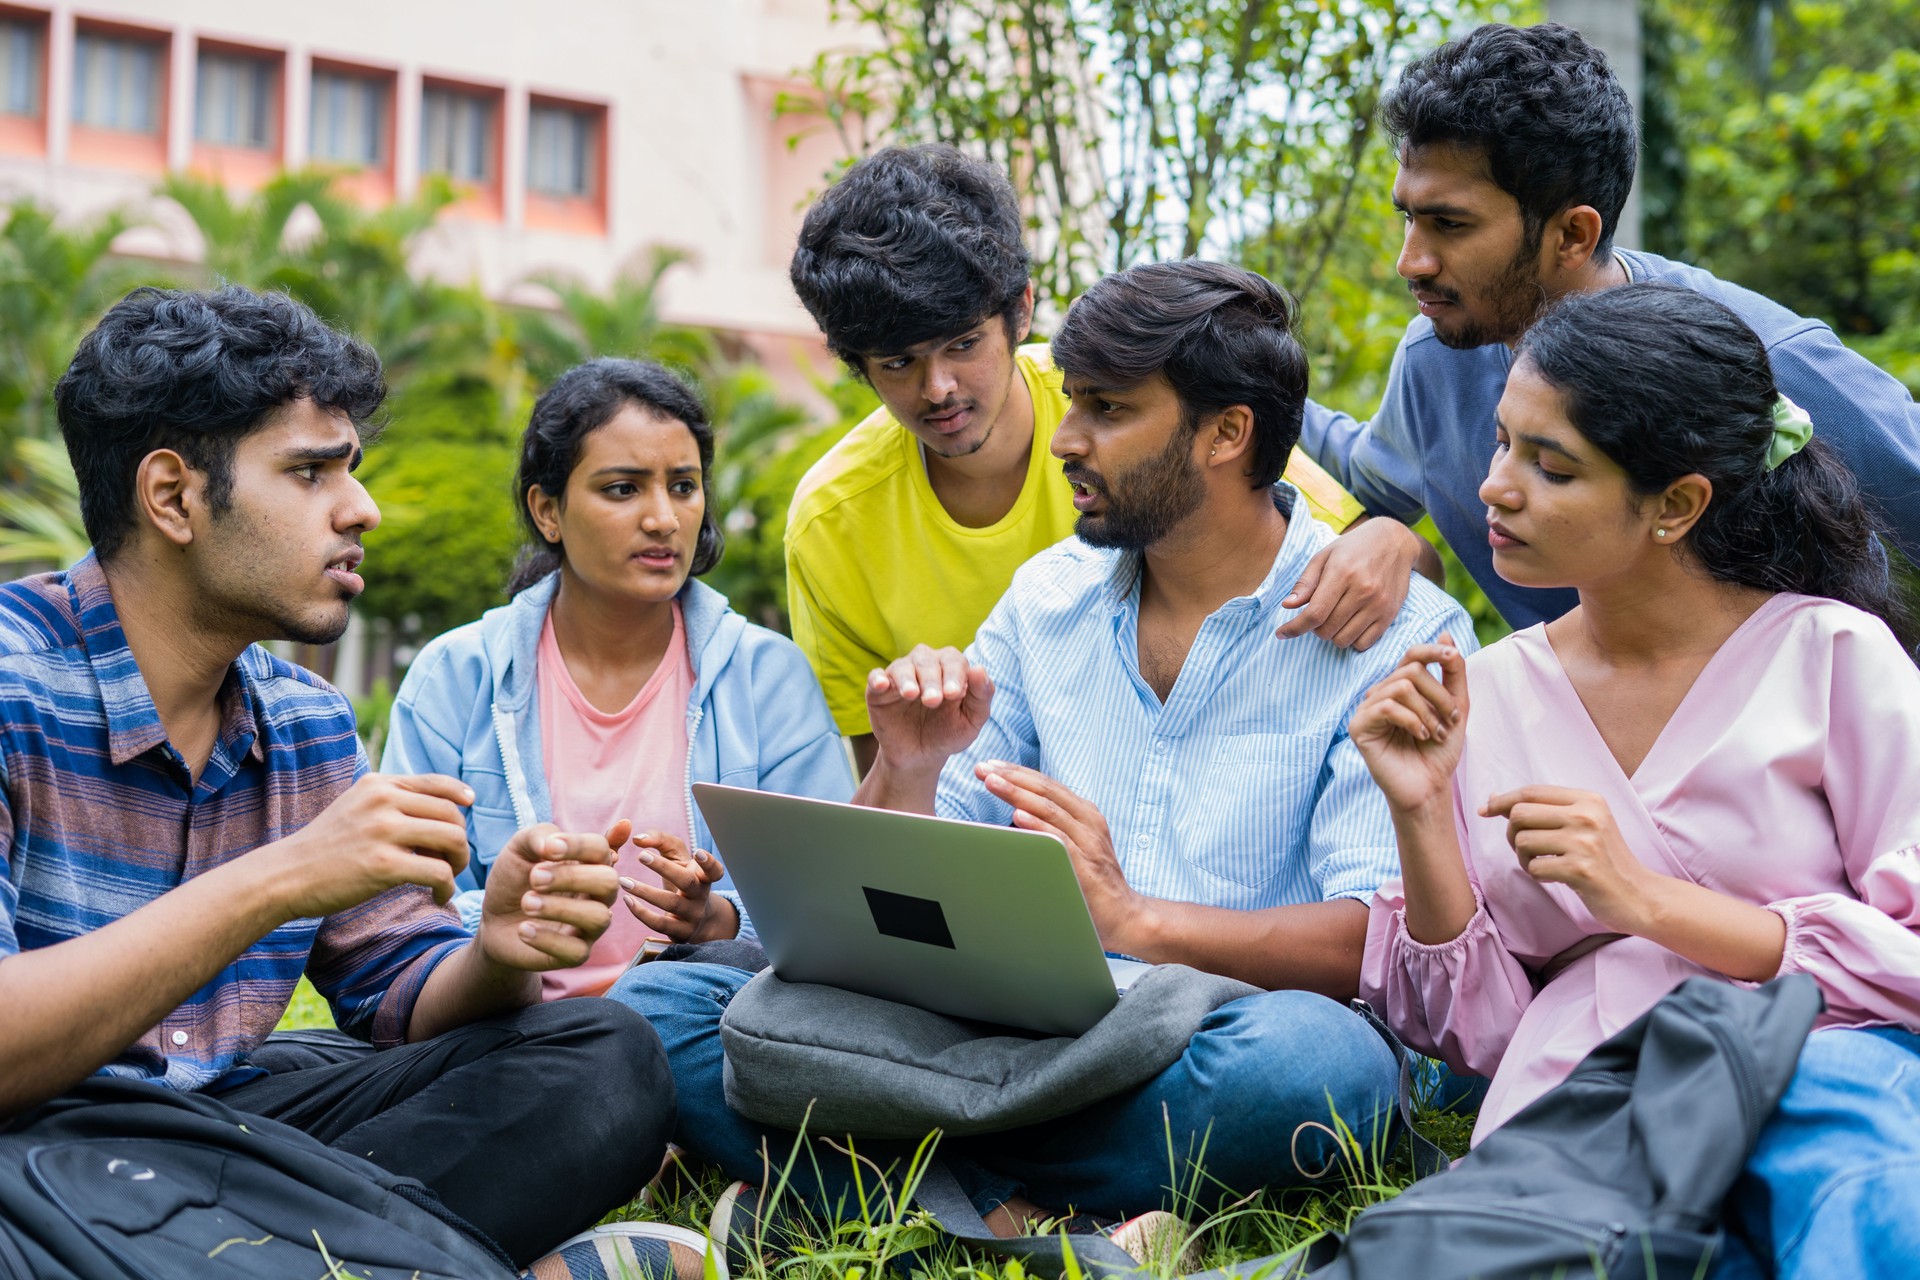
619	833
587	914
564	945
657	919
1303	591
926	675
1315	614
581	879
1043	796
1501	805
547	843
432	784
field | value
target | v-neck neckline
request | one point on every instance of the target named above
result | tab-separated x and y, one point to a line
1660	740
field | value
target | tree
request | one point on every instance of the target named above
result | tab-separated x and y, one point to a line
623	321
1138	129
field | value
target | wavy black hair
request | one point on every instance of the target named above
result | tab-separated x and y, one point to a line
1543	107
913	244
197	372
580	402
1668	383
1221	335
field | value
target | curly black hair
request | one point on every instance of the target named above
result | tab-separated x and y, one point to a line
580	402
913	244
1543	107
197	372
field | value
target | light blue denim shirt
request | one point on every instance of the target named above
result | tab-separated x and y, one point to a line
469	707
1428	447
1242	790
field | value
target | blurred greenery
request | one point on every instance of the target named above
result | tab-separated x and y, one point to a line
1783	153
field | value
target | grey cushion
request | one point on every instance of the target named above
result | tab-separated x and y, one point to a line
875	1068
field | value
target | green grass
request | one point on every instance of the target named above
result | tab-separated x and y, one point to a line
307	1010
884	1238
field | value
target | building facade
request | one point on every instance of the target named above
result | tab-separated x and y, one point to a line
579	132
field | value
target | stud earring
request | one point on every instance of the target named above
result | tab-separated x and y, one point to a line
1659	533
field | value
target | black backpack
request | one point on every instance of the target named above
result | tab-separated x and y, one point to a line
1616	1173
118	1179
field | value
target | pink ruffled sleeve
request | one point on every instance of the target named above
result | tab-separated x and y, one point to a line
1865	951
1459	1001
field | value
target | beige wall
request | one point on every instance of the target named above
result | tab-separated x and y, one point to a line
693	158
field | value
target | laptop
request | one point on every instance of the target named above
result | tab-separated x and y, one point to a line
962	918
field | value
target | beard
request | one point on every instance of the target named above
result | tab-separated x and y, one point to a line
1514	296
243	591
1144	503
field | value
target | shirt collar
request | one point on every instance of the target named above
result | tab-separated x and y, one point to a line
1302	540
133	722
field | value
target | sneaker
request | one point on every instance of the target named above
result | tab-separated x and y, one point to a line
1160	1240
743	1230
630	1251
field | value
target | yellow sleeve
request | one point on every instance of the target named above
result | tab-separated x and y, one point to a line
839	660
1329	503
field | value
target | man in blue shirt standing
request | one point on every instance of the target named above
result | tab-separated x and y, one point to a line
1517	150
1128	695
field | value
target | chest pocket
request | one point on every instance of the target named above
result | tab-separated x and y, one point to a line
1256	805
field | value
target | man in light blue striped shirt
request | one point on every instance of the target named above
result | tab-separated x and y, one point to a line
1128	694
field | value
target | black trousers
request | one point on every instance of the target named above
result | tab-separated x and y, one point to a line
531	1126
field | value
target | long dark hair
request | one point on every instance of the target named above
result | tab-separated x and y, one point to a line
580	402
1668	383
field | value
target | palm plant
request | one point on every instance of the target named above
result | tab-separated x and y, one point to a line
55	281
41	509
625	320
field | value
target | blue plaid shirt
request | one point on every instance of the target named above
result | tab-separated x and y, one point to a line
99	816
1242	789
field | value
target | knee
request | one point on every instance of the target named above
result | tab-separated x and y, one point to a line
1300	1058
676	987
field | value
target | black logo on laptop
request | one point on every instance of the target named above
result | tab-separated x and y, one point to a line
900	915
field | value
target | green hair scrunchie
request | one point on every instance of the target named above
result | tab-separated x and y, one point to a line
1792	428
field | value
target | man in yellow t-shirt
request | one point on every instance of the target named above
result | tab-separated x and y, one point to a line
909	530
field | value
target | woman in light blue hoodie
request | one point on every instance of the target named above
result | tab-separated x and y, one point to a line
566	703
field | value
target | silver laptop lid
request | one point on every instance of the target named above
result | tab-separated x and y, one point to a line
966	919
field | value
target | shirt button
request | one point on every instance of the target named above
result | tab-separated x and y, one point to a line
179	1037
1160	744
1142	842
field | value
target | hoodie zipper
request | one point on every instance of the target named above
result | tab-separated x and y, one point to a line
503	732
686	783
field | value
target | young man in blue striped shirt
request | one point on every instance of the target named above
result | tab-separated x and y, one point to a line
187	823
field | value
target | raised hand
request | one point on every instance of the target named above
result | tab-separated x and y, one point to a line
384	830
682	907
1410	727
549	898
927	706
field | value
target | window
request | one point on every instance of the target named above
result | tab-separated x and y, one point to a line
349	119
457	134
20	44
562	150
116	82
233	104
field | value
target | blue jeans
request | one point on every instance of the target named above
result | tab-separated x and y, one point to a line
1252	1101
1833	1187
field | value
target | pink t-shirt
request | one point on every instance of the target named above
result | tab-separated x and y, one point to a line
601	767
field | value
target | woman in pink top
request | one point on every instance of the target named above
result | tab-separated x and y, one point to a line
615	678
1710	766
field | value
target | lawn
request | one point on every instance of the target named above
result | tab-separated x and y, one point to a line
884	1236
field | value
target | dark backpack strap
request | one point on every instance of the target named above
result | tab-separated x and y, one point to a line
1428	1158
940	1194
